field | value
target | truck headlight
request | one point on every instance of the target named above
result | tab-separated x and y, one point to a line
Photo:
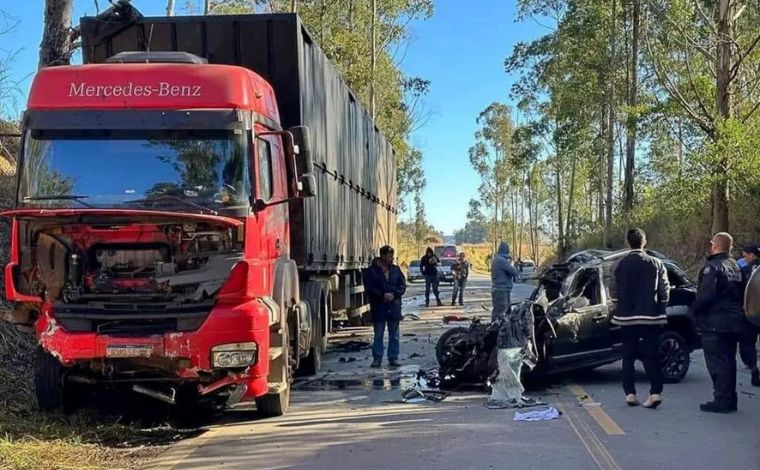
233	355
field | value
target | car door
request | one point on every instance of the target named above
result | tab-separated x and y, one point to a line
583	329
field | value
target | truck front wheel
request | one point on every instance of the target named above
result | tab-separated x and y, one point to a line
276	404
50	385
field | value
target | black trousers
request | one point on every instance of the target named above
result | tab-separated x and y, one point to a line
720	357
640	342
431	281
748	345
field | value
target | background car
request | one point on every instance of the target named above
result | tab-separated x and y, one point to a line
444	270
414	273
446	251
527	269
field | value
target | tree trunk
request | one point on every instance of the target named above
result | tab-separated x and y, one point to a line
206	7
724	53
560	223
170	8
611	124
293	6
373	59
630	151
570	199
57	38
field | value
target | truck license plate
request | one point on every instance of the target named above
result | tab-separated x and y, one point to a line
129	351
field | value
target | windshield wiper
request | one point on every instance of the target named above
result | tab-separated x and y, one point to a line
167	197
61	197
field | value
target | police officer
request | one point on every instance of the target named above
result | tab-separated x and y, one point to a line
718	311
748	340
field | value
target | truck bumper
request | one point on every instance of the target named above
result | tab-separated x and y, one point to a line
188	354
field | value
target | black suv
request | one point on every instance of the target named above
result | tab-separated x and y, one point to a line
570	329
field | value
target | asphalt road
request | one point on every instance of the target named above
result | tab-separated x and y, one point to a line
348	417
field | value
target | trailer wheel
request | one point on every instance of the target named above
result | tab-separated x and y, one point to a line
313	293
275	404
49	384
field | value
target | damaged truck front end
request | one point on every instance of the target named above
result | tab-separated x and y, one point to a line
149	300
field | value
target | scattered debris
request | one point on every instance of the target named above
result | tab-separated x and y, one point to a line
351	346
412	316
413	355
415	395
409	334
450	318
749	394
537	415
349	359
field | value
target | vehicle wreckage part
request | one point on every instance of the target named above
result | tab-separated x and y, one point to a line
233	355
506	387
164	397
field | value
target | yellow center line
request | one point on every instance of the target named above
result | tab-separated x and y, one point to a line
596	449
597	412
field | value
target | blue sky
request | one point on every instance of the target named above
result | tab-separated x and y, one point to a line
461	50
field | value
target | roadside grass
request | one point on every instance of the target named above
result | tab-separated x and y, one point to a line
98	437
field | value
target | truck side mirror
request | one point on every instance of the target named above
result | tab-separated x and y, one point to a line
307	182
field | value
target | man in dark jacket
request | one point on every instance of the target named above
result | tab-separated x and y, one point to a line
748	338
503	276
385	285
640	285
719	316
429	268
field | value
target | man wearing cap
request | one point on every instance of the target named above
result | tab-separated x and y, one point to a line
748	338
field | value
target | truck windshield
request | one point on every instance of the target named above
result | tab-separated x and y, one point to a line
166	170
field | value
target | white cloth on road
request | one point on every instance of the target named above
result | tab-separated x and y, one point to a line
537	415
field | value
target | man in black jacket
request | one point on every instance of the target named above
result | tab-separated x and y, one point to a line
385	285
748	339
640	284
719	316
429	268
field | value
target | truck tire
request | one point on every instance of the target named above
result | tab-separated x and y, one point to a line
674	356
276	404
314	295
49	384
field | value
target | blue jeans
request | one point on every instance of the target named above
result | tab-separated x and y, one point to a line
459	285
431	281
393	340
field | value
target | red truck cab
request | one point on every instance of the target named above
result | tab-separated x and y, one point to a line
150	242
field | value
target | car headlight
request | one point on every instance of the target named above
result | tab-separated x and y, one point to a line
233	355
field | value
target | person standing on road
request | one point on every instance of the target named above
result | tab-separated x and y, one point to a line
461	270
503	275
385	285
640	284
720	319
429	268
748	338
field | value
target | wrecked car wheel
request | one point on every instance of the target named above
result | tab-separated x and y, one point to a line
444	345
50	387
674	356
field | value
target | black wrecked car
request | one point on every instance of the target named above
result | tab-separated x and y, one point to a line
567	325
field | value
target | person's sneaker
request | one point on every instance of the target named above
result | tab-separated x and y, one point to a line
717	407
440	304
653	401
394	363
453	304
756	377
427	303
461	304
375	364
631	400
